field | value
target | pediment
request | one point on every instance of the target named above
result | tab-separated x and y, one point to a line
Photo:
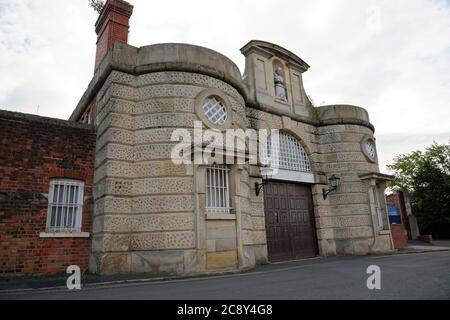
270	50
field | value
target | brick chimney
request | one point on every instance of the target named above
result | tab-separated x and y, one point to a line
112	26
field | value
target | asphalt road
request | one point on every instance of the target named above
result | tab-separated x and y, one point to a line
412	276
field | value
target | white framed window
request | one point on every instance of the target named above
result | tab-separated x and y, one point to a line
215	110
65	206
217	189
379	212
290	153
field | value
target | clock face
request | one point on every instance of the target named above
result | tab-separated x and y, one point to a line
370	148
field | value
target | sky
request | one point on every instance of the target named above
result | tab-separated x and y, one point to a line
390	57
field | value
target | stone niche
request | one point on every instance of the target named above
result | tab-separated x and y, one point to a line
264	63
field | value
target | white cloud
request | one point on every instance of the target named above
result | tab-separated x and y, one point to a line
390	57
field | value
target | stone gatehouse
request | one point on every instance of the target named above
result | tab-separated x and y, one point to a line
153	216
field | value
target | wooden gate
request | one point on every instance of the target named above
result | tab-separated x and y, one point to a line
291	234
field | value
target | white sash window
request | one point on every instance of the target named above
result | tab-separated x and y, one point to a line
217	189
65	206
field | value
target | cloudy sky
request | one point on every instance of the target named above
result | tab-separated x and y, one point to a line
390	57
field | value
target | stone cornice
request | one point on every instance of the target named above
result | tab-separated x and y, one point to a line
269	50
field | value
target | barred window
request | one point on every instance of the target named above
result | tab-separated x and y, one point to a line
215	110
291	154
65	206
217	189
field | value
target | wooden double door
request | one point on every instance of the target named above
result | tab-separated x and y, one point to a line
290	226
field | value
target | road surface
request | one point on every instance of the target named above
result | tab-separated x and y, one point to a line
407	276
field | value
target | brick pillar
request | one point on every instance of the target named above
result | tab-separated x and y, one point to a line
112	26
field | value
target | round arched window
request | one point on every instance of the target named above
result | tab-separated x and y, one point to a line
290	153
215	110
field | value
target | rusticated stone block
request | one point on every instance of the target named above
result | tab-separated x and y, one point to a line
172	120
343	221
112	205
116	106
162	240
163	186
108	242
168	90
155	135
153	152
114	169
159	204
115	151
352	232
167	78
115	135
144	223
159	169
165	105
348	198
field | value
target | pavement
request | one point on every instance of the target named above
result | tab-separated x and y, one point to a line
403	276
417	246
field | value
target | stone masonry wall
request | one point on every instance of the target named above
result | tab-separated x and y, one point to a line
344	220
143	202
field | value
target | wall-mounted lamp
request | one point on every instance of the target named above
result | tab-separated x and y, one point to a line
334	183
266	173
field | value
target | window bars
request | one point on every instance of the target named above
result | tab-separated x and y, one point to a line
215	111
65	206
291	154
217	189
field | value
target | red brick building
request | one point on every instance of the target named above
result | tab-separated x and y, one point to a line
46	177
402	222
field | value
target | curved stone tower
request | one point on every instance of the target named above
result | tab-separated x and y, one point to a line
348	220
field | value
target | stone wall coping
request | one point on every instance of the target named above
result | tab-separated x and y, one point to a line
377	176
190	58
18	116
159	58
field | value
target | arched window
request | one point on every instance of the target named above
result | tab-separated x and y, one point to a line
292	155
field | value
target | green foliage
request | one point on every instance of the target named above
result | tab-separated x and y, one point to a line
97	5
426	175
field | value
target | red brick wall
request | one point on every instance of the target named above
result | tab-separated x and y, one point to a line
398	231
112	26
398	235
34	150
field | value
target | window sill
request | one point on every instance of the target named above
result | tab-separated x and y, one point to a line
220	216
47	235
384	232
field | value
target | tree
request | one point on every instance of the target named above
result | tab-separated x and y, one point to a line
426	175
97	5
